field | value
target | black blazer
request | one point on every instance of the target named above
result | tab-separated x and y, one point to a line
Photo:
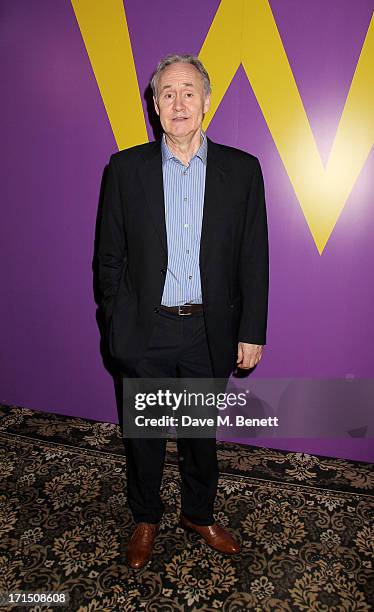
132	252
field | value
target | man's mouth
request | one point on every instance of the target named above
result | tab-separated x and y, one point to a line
180	118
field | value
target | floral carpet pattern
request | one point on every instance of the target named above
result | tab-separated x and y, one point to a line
306	524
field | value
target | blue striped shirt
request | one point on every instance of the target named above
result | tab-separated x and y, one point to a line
184	188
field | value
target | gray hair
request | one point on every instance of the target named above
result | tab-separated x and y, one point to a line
173	58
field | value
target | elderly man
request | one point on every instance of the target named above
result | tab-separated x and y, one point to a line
183	271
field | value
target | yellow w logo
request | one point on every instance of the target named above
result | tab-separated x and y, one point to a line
248	33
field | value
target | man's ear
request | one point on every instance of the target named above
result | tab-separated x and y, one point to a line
156	106
206	104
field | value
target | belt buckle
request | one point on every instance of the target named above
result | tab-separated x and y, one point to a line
183	314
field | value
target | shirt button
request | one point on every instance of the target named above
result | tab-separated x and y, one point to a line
187	252
185	199
186	225
190	277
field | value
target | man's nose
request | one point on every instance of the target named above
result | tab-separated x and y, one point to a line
178	102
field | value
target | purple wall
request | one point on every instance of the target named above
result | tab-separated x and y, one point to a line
56	141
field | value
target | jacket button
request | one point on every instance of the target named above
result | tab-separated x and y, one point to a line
155	309
163	271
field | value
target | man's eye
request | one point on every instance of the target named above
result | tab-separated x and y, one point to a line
189	95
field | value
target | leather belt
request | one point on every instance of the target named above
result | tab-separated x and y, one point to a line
183	310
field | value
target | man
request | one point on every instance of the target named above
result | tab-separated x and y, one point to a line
183	271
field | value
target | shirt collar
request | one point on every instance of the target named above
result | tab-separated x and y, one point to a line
201	152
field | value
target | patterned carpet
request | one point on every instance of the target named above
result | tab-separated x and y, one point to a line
306	524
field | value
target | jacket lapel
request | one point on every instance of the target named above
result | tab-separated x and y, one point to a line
215	196
151	177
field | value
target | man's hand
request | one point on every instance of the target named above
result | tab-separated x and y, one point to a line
248	355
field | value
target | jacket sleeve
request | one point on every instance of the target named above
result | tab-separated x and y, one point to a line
112	249
254	265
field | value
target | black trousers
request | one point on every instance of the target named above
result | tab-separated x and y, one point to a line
177	349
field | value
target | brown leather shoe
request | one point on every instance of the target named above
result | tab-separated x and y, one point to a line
140	546
214	535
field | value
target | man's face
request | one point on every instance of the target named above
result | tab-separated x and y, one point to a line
181	103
